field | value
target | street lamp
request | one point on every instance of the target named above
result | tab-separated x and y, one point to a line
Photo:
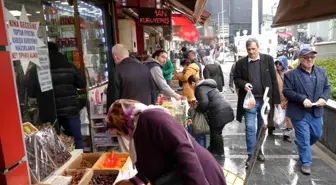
222	12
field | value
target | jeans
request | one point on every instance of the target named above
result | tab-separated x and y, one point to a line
251	130
216	140
72	127
307	132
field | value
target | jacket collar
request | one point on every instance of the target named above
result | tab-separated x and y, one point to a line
249	59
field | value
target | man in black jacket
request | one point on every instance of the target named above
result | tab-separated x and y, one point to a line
66	79
254	73
130	80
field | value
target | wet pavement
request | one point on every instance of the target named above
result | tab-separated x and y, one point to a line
282	166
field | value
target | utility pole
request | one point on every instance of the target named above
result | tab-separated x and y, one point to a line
223	18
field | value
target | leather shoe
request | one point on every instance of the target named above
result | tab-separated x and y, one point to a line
270	131
287	139
248	161
305	170
261	157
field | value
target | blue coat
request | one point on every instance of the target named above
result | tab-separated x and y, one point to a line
296	92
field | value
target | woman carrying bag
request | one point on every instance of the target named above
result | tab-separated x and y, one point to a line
160	148
218	111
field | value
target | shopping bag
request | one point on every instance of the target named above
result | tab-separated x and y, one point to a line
279	117
249	101
200	124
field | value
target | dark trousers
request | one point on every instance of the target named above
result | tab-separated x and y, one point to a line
72	127
216	140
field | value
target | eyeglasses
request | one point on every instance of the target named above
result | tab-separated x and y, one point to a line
308	57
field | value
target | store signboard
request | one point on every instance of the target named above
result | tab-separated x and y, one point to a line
43	71
154	16
23	38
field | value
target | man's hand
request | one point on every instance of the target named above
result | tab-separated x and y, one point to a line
321	102
232	90
248	87
178	97
124	182
307	103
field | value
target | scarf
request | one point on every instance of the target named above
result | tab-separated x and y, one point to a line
131	114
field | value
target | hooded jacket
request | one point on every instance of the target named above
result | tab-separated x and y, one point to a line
214	71
213	102
191	69
156	70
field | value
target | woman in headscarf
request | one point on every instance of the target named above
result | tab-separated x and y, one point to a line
161	149
282	68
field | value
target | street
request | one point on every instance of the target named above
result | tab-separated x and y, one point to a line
282	162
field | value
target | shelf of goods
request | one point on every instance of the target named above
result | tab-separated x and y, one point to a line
101	137
93	169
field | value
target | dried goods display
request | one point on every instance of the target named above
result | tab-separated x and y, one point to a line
53	146
86	164
45	165
99	179
68	141
76	177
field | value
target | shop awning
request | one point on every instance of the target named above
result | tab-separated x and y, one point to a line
184	28
191	8
291	12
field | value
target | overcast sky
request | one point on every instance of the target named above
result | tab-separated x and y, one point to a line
267	6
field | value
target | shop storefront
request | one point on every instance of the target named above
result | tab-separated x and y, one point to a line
84	32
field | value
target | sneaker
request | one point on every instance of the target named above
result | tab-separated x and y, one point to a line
306	170
261	157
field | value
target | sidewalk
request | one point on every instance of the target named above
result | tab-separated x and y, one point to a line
282	162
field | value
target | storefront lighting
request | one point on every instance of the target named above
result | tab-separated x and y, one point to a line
64	3
17	13
37	12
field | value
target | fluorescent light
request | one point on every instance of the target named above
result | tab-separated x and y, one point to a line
64	3
37	12
17	13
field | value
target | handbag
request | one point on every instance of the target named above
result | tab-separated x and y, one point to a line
175	176
200	124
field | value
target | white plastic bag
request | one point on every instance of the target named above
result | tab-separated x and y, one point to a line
249	101
280	117
200	124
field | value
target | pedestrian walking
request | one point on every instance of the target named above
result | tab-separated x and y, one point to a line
213	70
231	84
130	80
254	73
282	67
219	112
307	90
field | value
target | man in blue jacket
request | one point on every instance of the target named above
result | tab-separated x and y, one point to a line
307	90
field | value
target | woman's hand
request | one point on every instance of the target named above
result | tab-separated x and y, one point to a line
124	182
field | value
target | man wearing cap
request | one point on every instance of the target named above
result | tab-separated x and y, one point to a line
307	90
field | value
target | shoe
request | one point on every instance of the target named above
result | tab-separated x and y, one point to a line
261	157
248	161
218	155
287	139
270	131
306	170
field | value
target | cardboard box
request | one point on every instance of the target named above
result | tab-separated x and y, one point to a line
86	180
92	158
